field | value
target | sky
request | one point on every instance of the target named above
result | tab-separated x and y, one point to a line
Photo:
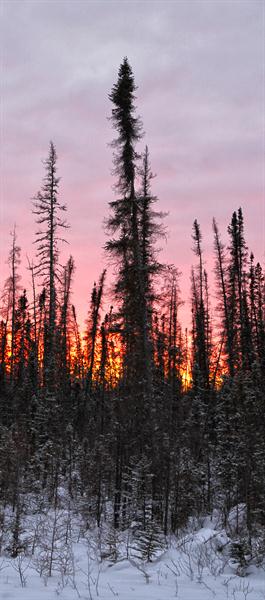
199	68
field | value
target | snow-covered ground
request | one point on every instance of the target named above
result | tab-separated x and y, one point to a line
123	581
196	566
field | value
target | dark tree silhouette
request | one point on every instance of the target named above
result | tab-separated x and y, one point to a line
47	209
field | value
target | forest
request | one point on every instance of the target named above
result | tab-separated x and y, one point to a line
137	425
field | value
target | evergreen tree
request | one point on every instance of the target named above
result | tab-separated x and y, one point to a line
201	331
124	221
47	208
236	292
93	327
134	225
11	292
63	329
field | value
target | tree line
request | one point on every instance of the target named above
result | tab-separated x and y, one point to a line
140	421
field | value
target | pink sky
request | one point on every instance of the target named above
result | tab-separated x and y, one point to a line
199	67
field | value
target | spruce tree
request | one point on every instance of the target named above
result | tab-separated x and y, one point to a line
125	247
134	227
48	209
11	291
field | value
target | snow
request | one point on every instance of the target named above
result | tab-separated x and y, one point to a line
195	566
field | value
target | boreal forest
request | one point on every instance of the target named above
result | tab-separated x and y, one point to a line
135	430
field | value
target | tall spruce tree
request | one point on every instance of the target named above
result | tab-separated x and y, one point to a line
134	225
236	292
201	331
123	222
93	327
11	297
133	229
222	286
48	209
63	330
